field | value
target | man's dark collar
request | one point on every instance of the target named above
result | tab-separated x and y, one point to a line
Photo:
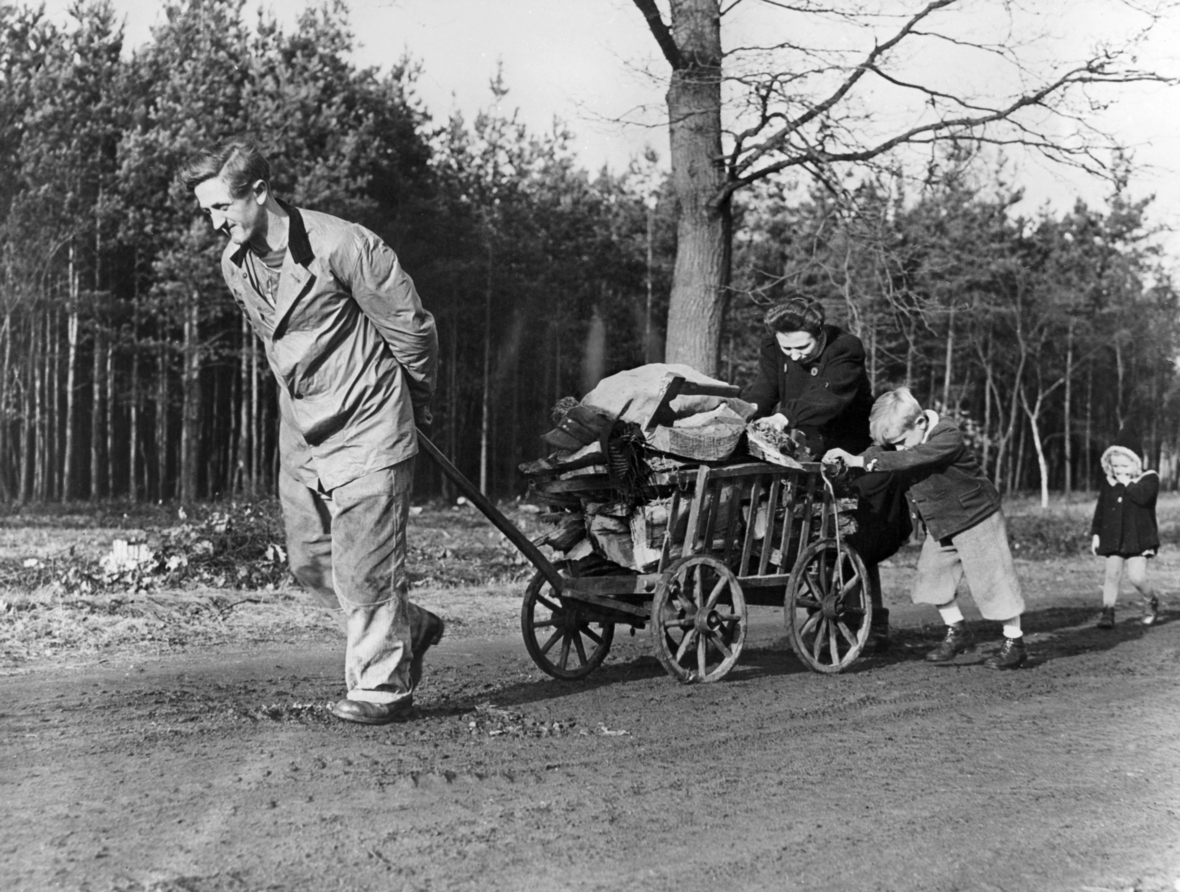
297	241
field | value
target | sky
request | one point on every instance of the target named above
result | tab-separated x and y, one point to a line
588	63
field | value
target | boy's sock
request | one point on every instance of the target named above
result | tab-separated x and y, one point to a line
1012	628
951	613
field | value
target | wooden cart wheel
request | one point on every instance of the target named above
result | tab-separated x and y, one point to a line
563	637
698	620
828	609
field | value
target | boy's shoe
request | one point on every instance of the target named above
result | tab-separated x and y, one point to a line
1106	619
1151	612
1012	653
958	639
426	635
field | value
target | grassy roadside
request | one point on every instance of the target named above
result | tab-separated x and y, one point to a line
214	575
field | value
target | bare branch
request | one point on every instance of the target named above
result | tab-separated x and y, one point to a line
661	33
826	105
966	125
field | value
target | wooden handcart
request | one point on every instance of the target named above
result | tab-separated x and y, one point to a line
754	533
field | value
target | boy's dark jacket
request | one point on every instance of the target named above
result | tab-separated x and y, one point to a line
948	490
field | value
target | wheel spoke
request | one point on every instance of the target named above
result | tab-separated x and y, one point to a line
715	595
580	647
818	644
544	623
565	651
695	595
812	621
702	652
553	608
847	633
677	622
822	575
685	644
832	642
591	634
548	645
718	643
812	584
850	585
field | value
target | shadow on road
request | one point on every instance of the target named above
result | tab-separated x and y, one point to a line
1051	633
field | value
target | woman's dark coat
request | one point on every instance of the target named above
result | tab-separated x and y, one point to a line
828	399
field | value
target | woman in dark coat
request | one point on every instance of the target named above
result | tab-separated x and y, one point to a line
812	378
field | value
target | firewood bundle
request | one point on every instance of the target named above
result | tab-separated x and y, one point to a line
606	482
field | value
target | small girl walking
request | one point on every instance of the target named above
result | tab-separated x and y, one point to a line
1124	529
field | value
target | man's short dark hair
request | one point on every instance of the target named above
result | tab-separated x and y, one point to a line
238	161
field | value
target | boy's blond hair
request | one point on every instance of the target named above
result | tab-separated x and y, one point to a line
894	413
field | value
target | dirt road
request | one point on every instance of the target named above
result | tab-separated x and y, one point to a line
220	769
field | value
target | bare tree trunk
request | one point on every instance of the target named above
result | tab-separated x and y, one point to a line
133	489
1067	413
700	276
110	417
53	464
872	333
256	437
96	414
41	373
27	437
948	371
1088	454
163	487
67	485
1033	414
485	402
452	408
985	449
651	223
239	482
1121	370
5	396
190	418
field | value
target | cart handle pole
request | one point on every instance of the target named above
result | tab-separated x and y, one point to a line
492	513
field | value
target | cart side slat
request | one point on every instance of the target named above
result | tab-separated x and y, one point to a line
751	526
733	523
713	508
776	488
694	513
669	532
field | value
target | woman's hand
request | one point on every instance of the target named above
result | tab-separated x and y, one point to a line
777	422
835	456
1094	544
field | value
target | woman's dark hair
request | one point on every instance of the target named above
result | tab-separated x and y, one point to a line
239	162
796	313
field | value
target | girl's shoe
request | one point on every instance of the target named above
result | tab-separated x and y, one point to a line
1106	620
1151	612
